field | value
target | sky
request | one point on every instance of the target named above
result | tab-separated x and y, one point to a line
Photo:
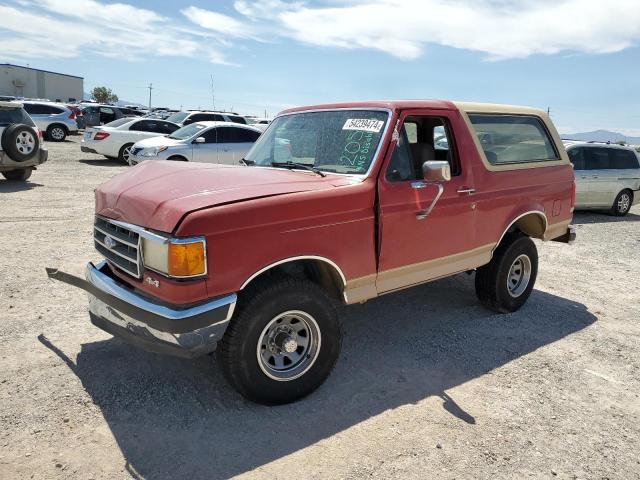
578	58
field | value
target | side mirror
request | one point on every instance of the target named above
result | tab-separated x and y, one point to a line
199	140
436	171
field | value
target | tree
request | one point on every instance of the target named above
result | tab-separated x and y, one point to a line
103	95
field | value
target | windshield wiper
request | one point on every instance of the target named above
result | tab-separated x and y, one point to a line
244	161
292	165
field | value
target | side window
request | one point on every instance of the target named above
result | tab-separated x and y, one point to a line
226	135
166	127
210	136
36	109
597	158
576	155
400	167
106	111
244	135
513	138
141	126
29	108
206	117
622	159
237	119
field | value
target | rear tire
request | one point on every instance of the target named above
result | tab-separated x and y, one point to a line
282	342
622	203
506	282
56	133
20	175
125	153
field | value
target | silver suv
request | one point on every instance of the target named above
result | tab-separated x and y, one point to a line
607	176
54	119
20	143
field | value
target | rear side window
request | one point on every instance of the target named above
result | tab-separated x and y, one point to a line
237	119
10	116
508	139
622	159
146	126
166	127
236	135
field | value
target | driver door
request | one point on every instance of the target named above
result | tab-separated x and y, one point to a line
207	151
415	248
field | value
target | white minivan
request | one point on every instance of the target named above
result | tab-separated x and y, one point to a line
607	176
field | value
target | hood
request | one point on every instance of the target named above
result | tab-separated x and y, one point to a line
157	195
160	141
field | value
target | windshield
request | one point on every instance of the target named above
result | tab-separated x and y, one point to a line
177	117
341	141
187	132
15	115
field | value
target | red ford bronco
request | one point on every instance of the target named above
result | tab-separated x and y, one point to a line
334	204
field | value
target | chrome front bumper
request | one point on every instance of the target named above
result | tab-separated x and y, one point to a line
120	311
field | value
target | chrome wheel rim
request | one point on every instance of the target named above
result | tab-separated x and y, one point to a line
57	133
519	276
624	202
126	155
25	142
288	345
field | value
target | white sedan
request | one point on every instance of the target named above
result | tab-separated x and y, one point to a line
115	139
211	142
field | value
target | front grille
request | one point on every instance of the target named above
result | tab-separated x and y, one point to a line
118	244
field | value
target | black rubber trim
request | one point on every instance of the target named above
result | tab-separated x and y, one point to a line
87	150
154	321
138	338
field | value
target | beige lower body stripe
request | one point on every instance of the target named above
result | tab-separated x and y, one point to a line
370	286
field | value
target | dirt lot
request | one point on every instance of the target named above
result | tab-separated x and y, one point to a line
429	385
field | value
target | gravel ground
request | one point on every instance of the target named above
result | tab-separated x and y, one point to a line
429	384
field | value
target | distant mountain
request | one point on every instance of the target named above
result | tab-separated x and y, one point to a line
601	136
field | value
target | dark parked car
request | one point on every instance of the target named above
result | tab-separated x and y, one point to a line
94	115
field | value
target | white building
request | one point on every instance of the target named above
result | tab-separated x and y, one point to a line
29	82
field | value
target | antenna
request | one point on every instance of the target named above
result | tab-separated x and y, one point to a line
213	97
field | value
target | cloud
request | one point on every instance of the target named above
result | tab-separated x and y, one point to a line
71	28
498	29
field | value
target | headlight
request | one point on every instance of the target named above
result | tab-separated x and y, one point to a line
152	152
176	257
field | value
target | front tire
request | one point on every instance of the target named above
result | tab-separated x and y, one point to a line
622	203
56	133
283	341
20	175
505	283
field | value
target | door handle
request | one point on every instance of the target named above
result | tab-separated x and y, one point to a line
468	190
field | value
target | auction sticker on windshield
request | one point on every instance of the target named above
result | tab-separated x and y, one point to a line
365	124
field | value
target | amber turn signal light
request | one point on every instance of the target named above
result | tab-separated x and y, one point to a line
186	259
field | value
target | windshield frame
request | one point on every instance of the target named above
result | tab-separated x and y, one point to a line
374	159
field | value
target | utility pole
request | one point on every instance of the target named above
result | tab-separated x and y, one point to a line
213	97
549	111
150	87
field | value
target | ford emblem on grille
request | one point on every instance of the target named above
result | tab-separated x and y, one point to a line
109	242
